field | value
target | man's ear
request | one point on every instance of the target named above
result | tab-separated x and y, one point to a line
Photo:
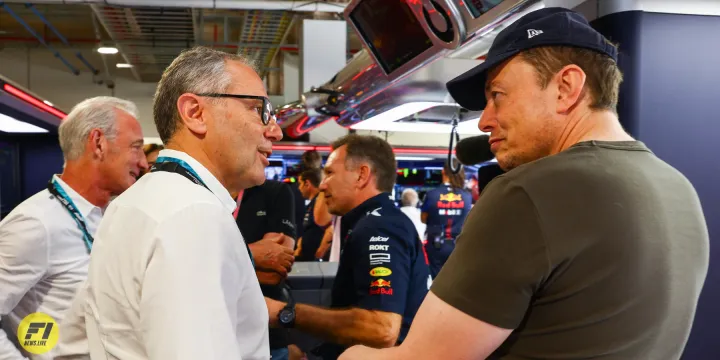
192	109
364	175
571	87
97	144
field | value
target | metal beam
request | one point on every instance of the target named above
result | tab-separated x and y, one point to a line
98	13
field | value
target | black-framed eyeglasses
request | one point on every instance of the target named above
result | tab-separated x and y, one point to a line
265	112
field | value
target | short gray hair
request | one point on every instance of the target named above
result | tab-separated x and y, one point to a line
94	113
196	70
409	197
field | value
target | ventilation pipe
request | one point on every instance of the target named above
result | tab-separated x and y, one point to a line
312	6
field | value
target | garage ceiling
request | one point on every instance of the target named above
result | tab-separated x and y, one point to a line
149	38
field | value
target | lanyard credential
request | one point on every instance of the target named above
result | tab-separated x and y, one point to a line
180	167
56	190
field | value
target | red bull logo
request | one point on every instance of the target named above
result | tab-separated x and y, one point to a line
450	197
380	283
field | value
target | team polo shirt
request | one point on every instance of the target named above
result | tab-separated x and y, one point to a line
382	264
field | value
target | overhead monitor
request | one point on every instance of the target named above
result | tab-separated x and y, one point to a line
391	31
479	7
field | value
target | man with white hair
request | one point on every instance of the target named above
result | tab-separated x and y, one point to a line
409	200
45	241
171	276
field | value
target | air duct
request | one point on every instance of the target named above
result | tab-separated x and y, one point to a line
305	6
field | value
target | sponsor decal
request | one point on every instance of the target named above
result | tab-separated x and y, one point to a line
450	197
379	239
260	213
381	287
379	247
379	258
380	271
374	212
381	291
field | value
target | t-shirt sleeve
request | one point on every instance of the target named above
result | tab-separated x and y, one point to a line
281	217
426	202
499	259
382	268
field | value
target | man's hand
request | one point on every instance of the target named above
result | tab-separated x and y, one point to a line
285	240
274	308
272	254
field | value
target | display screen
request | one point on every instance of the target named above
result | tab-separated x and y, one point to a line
419	177
392	32
479	7
275	171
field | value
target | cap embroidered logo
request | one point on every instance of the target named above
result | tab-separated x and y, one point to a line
532	33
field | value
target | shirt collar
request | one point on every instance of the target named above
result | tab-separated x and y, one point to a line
205	175
84	206
353	216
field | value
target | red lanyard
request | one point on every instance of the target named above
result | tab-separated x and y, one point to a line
239	200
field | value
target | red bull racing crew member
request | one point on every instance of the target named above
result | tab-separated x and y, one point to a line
383	275
444	211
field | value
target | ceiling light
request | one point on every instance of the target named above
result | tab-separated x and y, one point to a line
413	158
107	50
12	125
123	66
388	121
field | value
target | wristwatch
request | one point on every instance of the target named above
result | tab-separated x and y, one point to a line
286	317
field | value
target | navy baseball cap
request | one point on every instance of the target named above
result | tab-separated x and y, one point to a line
544	27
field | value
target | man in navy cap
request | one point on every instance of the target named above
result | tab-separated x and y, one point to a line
589	246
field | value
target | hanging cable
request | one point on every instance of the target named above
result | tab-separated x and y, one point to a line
454	137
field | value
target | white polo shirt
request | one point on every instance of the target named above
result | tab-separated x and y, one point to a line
43	260
170	276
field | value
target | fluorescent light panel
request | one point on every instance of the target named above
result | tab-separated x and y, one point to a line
12	125
413	158
107	50
387	121
123	66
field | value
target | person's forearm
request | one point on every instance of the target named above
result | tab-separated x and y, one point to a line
324	245
347	326
269	277
360	352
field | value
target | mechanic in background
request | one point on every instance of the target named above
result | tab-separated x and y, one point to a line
444	211
317	218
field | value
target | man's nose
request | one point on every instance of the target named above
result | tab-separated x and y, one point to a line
273	131
487	119
143	164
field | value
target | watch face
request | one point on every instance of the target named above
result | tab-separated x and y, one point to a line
287	316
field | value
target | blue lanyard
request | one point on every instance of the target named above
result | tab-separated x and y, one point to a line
65	200
178	166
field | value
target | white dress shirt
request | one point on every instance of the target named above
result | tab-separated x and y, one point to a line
170	276
414	213
43	261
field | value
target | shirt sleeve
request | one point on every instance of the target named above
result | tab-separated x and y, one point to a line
499	259
382	268
192	286
426	203
282	217
23	262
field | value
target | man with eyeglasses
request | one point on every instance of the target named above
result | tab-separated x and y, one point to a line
171	276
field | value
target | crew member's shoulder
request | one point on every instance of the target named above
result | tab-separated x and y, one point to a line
388	220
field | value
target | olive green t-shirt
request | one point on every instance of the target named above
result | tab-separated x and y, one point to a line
597	252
